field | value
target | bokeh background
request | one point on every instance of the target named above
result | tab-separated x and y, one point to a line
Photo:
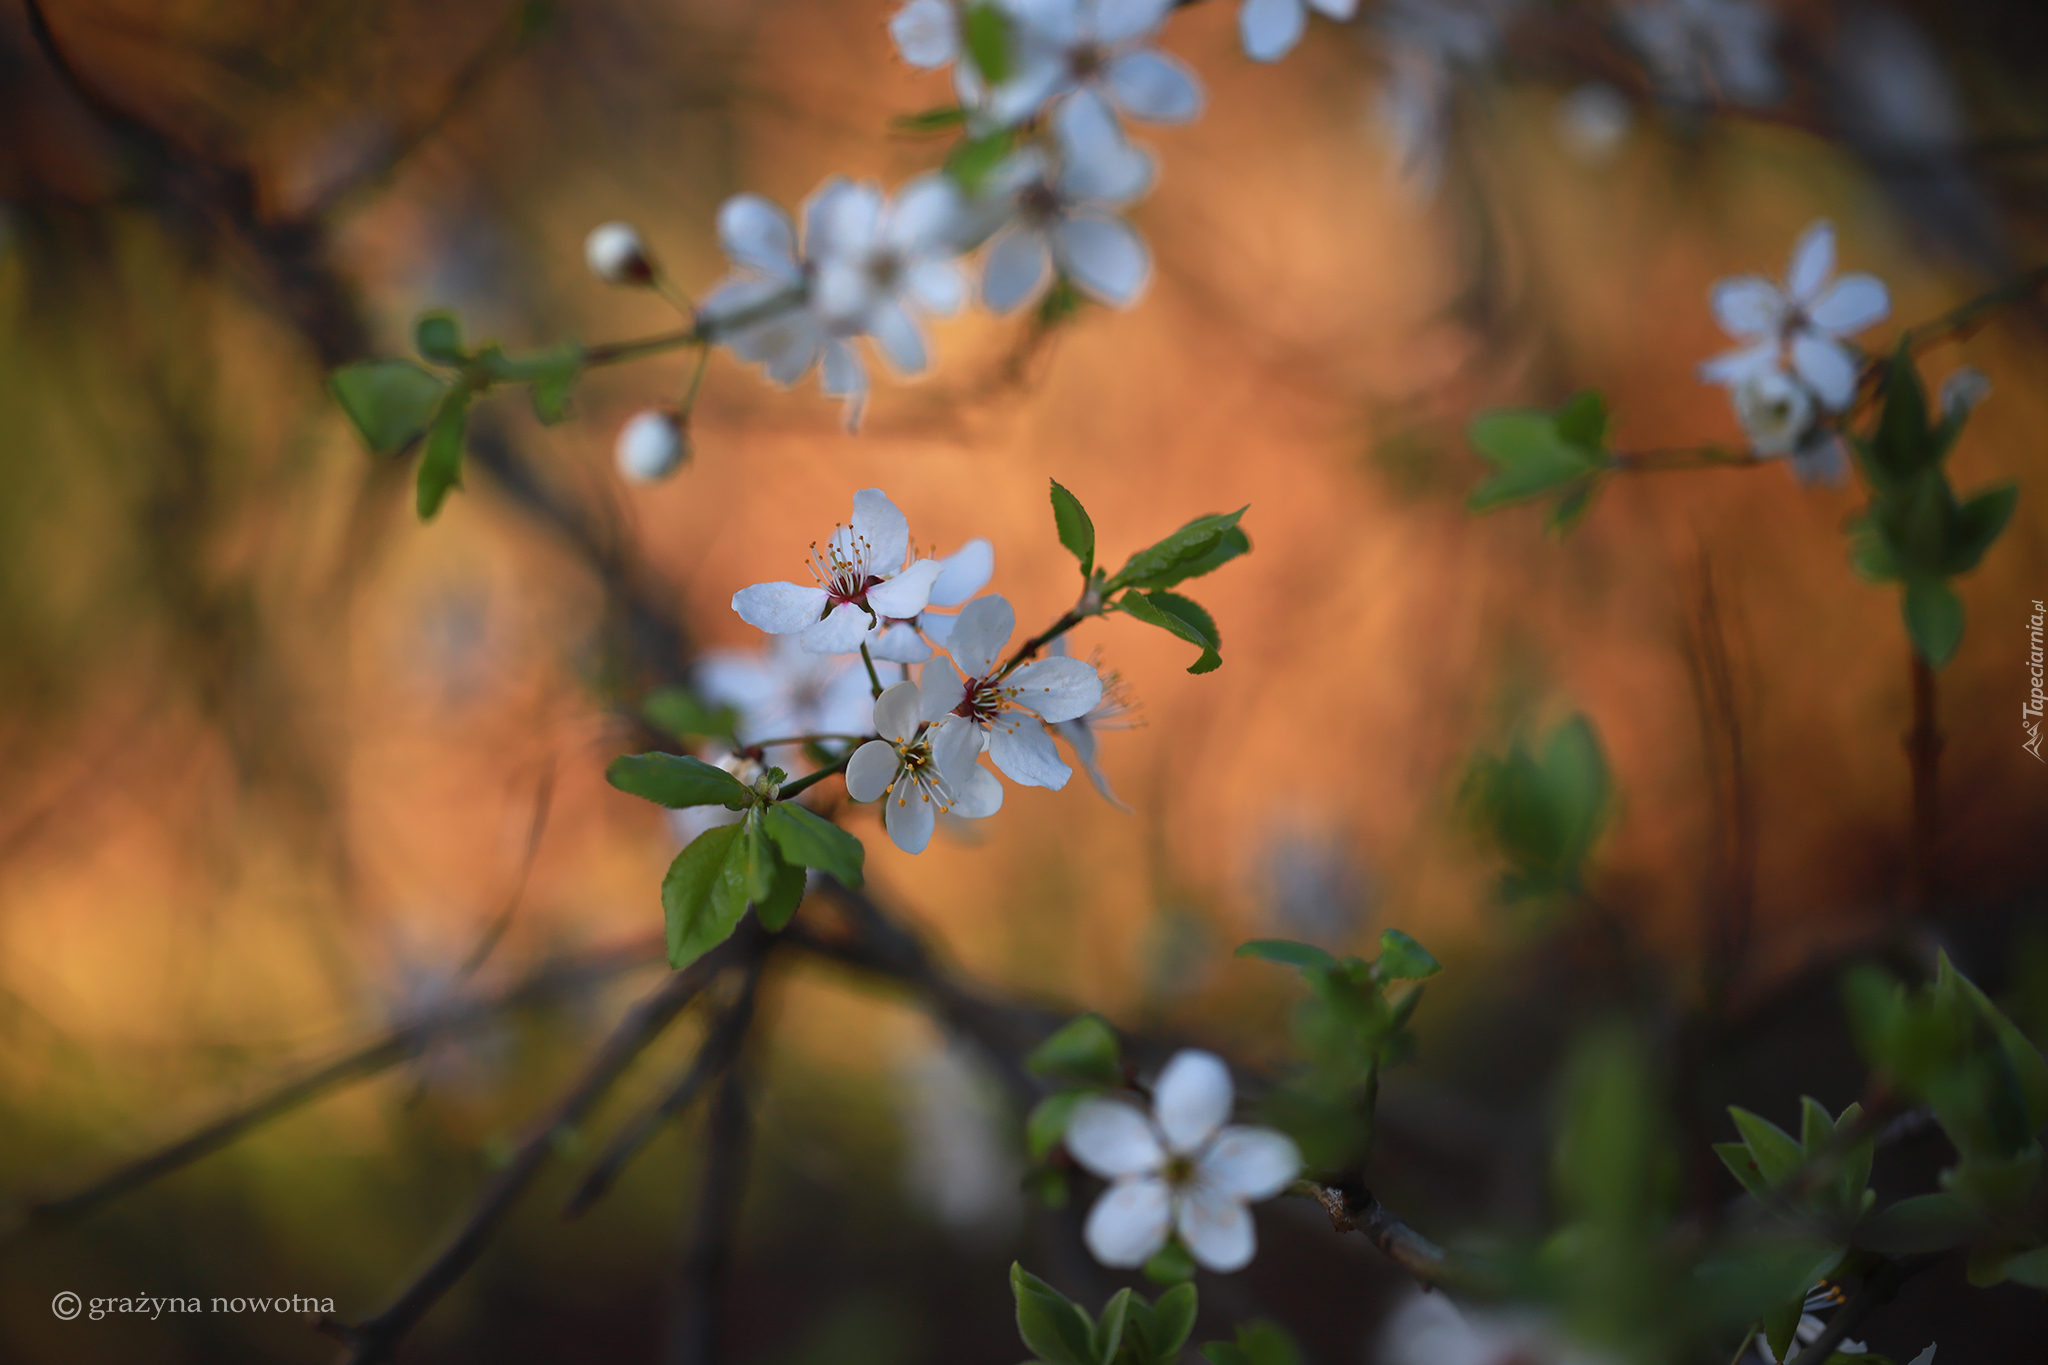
277	758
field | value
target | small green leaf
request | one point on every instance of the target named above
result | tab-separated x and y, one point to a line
2029	1268
1084	1050
777	908
942	119
1531	456
1180	616
1171	1265
1816	1125
1174	1319
972	161
703	895
1870	554
1934	619
1772	1148
1571	509
1903	445
1978	523
988	41
1582	421
1046	1128
441	466
1258	1343
1735	1156
438	336
813	841
552	379
1926	1222
676	781
1055	1329
1166	562
389	402
758	861
1403	959
1780	1324
678	712
1287	953
1076	528
1109	1326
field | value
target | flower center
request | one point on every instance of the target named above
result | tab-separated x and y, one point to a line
884	269
843	571
1038	203
981	700
921	775
1086	60
1179	1170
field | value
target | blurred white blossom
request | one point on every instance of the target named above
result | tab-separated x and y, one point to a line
1429	1329
1428	43
1593	121
651	445
958	1160
616	255
1059	214
786	690
1092	48
1704	50
1269	29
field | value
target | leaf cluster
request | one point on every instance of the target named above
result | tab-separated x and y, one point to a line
393	402
1543	811
757	862
1130	1330
1915	532
1537	454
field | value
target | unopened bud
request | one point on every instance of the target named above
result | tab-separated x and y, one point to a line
1962	391
616	255
652	444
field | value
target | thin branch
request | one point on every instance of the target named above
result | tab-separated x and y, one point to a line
1359	1211
391	1049
697	1287
377	1338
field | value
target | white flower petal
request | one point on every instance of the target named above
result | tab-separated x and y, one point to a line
1151	85
1813	260
1271	28
909	815
905	595
1096	162
1827	366
1192	1099
937	286
882	531
939	689
964	573
1821	460
845	219
1057	688
1926	1357
1748	306
1851	304
1127	1227
1732	367
1962	391
1113	1138
1014	269
927	215
780	608
927	33
846	378
1339	10
898	711
956	744
978	796
1249	1163
1217	1230
899	643
937	626
871	769
1121	21
1024	752
1105	256
893	329
756	233
980	632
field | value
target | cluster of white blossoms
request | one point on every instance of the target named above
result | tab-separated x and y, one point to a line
1184	1169
1794	365
871	594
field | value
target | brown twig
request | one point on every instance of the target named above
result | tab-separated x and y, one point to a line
696	1289
1359	1211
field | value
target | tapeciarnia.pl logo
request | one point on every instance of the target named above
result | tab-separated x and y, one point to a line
2030	713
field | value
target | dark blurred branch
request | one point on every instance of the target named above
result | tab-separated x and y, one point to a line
377	1338
1356	1210
716	1056
550	982
1923	751
1731	894
697	1288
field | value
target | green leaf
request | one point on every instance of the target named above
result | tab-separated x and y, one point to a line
1780	1325
2029	1067
1046	1127
703	895
441	466
1903	445
813	841
389	402
1870	555
1934	619
757	859
1083	1049
1180	616
970	163
1571	509
1055	1329
1735	1156
1171	1264
438	336
1109	1326
1076	528
1258	1343
1403	959
2029	1268
678	712
1816	1125
1926	1222
1978	523
1287	953
776	909
1174	1319
1229	546
1168	561
1531	455
677	781
1773	1149
988	41
942	119
1582	421
552	379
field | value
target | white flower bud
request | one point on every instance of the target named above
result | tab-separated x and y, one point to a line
616	255
1962	391
1775	410
652	444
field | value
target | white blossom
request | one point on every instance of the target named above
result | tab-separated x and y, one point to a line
616	255
1808	1331
1799	322
863	574
1962	391
1116	711
1699	50
1429	1329
651	445
1428	42
1007	712
919	771
786	690
1060	213
1183	1168
909	640
1593	121
1095	49
1269	29
926	33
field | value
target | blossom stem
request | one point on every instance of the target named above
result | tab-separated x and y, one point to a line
701	332
1682	457
874	678
1029	649
1962	320
802	739
812	779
